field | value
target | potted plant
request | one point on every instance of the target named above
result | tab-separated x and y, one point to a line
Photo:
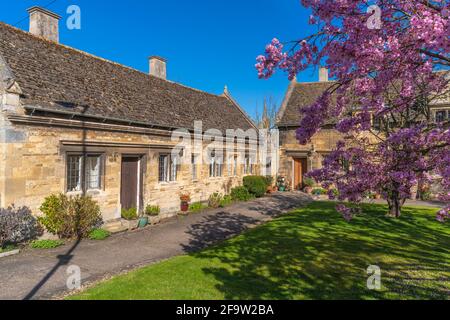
185	198
153	213
281	184
131	217
309	184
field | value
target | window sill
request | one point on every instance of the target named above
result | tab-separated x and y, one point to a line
91	192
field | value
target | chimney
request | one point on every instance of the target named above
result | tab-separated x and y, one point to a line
323	74
44	23
158	67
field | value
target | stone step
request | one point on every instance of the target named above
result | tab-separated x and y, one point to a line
115	227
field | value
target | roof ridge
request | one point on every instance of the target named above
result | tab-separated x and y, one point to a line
57	44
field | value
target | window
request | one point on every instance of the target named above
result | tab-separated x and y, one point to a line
215	167
85	170
235	166
441	115
194	167
168	168
248	165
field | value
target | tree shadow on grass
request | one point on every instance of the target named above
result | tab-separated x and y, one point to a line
315	254
216	228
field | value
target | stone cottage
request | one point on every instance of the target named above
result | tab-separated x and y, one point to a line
295	159
75	123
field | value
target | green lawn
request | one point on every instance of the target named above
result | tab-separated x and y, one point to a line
311	253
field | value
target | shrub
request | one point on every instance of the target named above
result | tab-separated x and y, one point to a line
197	206
152	210
46	244
214	200
256	185
7	248
70	217
99	234
309	182
319	191
240	194
17	225
130	214
226	201
269	180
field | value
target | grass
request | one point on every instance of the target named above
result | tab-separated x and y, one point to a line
46	244
7	248
311	253
99	234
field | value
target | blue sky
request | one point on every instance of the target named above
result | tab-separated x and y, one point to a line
208	43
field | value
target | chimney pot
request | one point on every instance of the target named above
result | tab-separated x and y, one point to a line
323	74
44	23
158	67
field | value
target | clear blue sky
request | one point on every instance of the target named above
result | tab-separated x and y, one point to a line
208	43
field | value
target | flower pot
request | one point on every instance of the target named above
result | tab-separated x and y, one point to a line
282	188
143	222
308	190
184	206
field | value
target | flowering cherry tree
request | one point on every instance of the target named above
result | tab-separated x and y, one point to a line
388	60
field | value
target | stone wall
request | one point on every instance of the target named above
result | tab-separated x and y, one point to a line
321	144
33	166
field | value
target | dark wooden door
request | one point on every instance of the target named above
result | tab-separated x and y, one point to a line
300	169
129	182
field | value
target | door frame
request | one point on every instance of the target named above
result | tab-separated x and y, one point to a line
140	179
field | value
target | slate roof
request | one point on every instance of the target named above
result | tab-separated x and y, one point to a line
61	78
300	95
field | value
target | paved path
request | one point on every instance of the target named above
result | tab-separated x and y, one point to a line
36	274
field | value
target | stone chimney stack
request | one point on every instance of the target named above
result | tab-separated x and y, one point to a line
158	67
44	23
323	74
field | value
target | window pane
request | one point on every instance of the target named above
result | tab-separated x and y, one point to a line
74	173
93	172
194	167
441	116
173	169
235	166
163	168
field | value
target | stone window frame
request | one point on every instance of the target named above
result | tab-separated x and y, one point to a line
194	167
83	173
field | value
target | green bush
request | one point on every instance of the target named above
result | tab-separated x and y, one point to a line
214	200
99	234
226	201
309	182
130	214
46	244
269	180
197	206
240	194
70	217
319	191
152	210
256	185
8	248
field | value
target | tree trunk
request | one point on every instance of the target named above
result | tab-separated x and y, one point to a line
395	204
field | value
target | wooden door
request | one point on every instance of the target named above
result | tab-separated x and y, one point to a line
300	169
130	182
